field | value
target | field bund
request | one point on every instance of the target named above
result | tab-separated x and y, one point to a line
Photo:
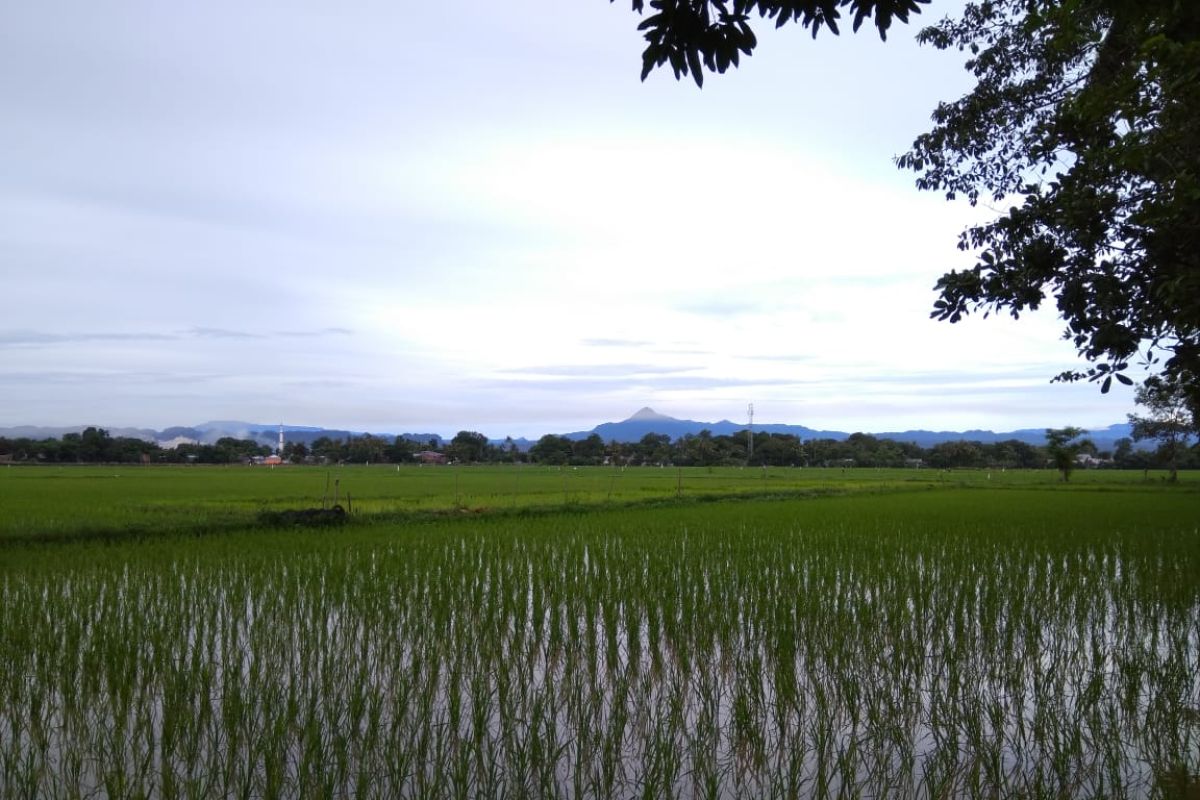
526	632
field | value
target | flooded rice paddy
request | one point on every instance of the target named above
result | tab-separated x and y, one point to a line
895	646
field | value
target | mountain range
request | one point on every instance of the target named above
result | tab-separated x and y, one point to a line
632	429
649	421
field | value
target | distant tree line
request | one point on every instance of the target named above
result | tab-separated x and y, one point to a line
93	445
97	446
704	449
858	450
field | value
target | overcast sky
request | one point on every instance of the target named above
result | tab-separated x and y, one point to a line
394	216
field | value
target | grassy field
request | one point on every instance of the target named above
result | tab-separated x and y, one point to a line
828	634
119	501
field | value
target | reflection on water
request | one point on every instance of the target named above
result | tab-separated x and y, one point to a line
591	664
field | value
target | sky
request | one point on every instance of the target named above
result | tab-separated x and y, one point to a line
430	217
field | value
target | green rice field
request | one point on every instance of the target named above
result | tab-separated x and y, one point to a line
124	501
530	632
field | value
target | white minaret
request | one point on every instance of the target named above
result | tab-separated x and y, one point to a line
280	451
750	434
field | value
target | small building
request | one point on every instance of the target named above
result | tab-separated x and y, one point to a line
1089	461
431	457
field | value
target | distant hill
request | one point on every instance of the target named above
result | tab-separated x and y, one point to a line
210	432
57	432
269	434
647	420
1104	438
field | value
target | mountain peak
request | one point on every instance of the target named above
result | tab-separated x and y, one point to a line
647	414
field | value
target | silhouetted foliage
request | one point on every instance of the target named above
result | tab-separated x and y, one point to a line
695	35
552	449
1086	117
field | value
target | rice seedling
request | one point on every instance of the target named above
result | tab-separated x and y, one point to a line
959	642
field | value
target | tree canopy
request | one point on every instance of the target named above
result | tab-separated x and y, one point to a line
1084	121
694	35
1086	118
1063	445
468	446
1167	420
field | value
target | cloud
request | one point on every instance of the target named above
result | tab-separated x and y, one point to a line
722	308
788	358
615	342
225	333
574	385
105	377
598	370
924	380
278	198
221	333
704	382
28	338
316	333
35	338
317	383
683	351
